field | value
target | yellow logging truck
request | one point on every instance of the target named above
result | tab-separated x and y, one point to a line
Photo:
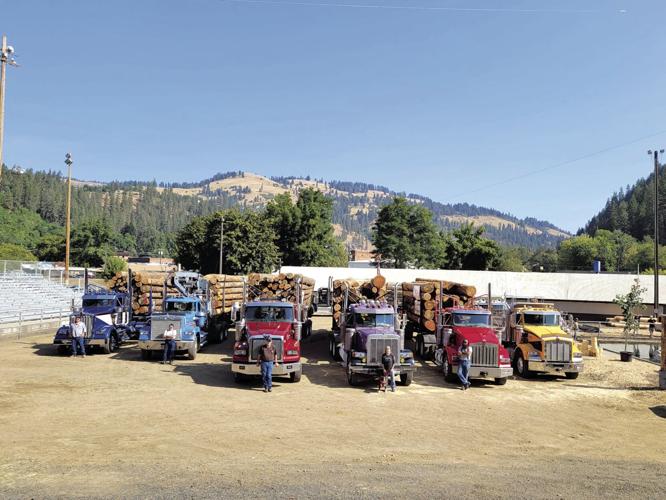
537	342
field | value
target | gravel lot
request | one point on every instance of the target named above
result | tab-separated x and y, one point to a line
117	426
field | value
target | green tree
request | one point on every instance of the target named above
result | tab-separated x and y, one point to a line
466	248
249	243
577	253
509	259
543	260
406	236
92	242
10	251
284	216
629	304
112	266
51	248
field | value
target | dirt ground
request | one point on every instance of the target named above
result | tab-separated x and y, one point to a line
116	426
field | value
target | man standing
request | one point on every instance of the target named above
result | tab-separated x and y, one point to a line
464	363
388	361
267	358
169	344
651	325
78	337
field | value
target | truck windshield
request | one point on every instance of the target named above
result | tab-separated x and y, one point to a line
269	313
179	306
542	319
99	302
372	320
460	319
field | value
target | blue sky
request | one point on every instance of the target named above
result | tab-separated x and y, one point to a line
453	104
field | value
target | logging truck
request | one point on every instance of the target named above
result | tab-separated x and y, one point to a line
538	344
189	313
107	317
440	316
277	309
365	327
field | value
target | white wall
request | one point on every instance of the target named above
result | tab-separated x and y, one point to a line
550	286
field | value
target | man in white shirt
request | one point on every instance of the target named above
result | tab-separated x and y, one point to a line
169	344
79	331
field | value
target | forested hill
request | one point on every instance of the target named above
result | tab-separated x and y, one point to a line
631	211
145	215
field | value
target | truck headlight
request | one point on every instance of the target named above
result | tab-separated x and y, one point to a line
240	352
534	356
505	361
292	352
358	354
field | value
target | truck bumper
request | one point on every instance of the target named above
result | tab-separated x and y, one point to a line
96	342
546	367
255	369
158	345
374	370
488	371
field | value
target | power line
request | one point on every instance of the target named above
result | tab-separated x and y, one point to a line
557	165
422	8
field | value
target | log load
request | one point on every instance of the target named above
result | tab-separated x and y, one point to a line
225	289
374	289
145	285
420	300
280	287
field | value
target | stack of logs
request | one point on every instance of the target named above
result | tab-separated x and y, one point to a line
224	289
145	285
280	287
374	289
420	300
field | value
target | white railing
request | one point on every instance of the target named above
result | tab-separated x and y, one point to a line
15	325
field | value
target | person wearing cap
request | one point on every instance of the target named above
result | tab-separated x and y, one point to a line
464	363
267	358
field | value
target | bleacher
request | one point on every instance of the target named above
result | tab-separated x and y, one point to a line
27	297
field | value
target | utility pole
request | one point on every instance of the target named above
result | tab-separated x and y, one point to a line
6	57
221	244
68	162
657	309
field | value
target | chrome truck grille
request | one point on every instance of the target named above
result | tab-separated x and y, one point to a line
484	354
257	342
158	327
376	344
558	351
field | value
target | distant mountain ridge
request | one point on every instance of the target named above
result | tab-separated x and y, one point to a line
356	205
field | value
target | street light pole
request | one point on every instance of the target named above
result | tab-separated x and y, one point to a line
655	153
6	57
68	162
221	244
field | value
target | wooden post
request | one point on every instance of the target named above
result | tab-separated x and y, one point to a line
68	161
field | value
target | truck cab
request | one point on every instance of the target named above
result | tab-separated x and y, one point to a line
537	342
106	315
366	329
283	322
188	315
489	357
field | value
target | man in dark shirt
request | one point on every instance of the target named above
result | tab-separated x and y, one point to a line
267	358
388	360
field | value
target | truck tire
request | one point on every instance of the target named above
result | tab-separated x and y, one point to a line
192	351
406	379
112	344
295	377
447	370
214	333
420	347
500	381
521	366
571	375
146	354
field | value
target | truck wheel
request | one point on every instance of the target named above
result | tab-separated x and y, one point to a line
521	366
420	347
296	376
146	354
406	379
447	370
500	381
192	351
111	345
239	378
214	333
571	375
